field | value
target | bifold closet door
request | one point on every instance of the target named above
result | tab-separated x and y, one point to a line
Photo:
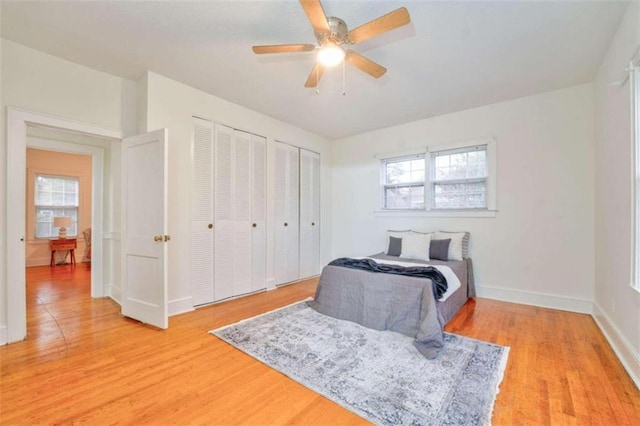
286	211
202	213
259	213
241	214
224	225
309	213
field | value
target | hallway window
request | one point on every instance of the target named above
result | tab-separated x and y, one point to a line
56	196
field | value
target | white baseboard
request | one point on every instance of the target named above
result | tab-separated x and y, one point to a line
113	292
629	358
271	284
543	300
4	339
181	306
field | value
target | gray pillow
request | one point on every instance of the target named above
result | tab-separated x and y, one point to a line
395	246
439	249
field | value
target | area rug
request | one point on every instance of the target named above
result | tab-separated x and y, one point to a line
378	375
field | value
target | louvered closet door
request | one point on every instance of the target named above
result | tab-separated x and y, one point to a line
293	214
280	214
309	213
242	231
286	214
202	212
224	205
258	213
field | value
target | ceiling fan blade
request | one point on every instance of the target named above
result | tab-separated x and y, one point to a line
388	22
283	48
314	76
316	15
364	64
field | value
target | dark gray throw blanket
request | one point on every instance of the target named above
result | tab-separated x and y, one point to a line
439	281
400	303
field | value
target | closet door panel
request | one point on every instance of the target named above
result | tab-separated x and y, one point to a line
259	213
224	226
202	240
242	255
309	213
293	211
280	214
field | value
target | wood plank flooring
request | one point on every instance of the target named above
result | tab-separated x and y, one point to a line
83	363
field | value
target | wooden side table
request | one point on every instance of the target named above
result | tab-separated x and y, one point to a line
69	244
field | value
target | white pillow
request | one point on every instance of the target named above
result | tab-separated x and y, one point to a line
456	251
415	246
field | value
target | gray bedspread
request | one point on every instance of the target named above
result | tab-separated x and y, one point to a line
382	302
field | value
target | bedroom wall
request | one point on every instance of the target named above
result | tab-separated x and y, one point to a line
617	305
3	207
539	247
37	82
172	104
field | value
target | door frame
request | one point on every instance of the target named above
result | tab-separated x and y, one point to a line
17	122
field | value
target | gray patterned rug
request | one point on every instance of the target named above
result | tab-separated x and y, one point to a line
378	375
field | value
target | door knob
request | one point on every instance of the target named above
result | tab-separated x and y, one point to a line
286	224
167	237
210	226
157	238
255	225
313	224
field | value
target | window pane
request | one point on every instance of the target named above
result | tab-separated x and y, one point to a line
460	195
404	197
397	172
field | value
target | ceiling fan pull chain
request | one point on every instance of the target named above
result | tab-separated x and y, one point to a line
344	80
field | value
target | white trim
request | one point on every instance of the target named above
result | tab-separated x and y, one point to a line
112	236
113	293
435	213
181	306
543	300
3	335
17	142
625	352
634	99
271	284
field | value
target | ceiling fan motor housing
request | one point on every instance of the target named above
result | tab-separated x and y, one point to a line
337	31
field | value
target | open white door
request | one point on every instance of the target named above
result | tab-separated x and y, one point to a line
144	228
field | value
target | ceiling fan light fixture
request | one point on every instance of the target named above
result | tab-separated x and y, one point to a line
330	54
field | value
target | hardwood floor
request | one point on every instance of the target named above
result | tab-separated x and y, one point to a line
83	363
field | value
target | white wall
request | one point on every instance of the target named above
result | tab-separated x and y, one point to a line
539	247
3	205
37	82
617	305
171	104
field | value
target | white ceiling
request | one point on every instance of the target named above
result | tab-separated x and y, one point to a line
453	55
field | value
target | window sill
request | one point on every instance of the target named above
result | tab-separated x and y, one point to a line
439	213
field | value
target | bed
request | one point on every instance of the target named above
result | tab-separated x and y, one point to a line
405	304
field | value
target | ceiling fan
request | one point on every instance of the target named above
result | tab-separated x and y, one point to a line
332	35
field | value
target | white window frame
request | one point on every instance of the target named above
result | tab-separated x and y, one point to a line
37	206
383	175
634	80
433	181
489	211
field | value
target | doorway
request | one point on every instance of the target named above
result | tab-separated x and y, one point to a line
24	129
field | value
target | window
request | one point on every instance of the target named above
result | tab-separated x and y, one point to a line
55	196
403	182
446	180
459	178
